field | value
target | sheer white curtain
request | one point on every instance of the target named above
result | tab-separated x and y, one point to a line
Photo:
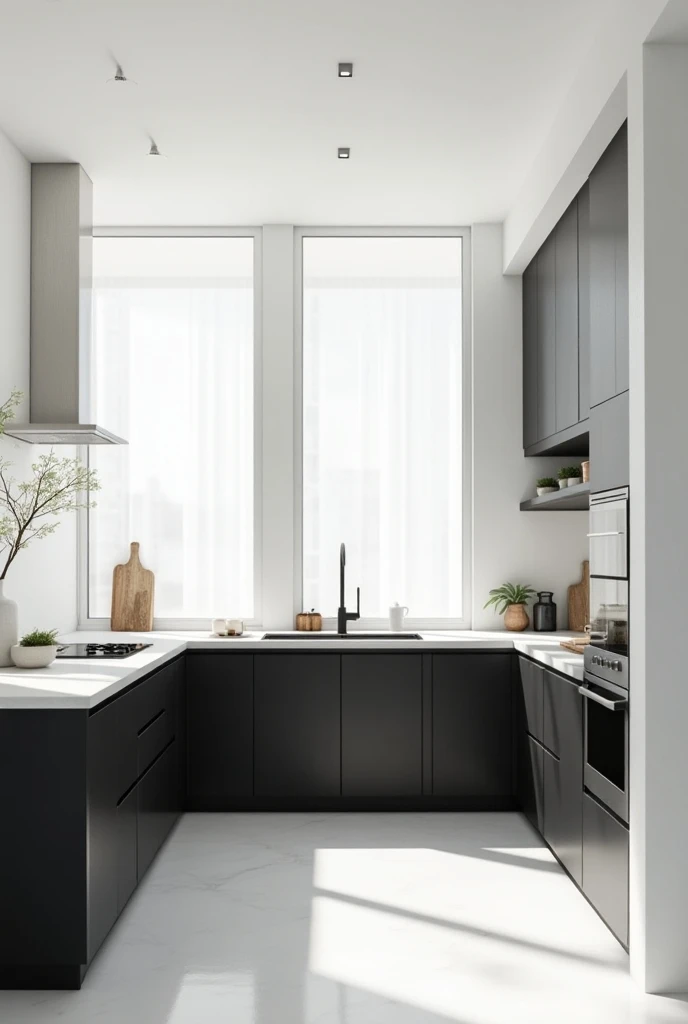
382	423
173	373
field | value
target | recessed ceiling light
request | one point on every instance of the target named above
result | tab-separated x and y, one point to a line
346	70
344	153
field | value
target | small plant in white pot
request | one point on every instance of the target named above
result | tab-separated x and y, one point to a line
569	476
36	650
546	485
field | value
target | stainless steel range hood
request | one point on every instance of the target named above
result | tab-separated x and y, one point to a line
61	308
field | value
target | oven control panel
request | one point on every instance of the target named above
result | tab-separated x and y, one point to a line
609	665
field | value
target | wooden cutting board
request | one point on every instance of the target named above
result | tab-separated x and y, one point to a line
132	596
579	602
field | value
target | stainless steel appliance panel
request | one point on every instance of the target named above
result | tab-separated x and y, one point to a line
605	766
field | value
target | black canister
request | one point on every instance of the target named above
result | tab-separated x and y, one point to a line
544	613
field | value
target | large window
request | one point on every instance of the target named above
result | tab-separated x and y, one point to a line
383	417
174	375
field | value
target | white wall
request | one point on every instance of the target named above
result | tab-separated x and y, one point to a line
43	578
542	548
658	264
589	118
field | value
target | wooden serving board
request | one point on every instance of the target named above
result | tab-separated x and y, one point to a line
577	645
133	588
579	602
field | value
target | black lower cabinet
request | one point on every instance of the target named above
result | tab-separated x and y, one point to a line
530	779
127	851
297	724
605	866
158	806
563	772
219	730
471	726
82	823
382	725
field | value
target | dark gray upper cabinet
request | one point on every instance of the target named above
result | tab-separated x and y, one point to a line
566	319
530	355
297	725
609	439
609	272
546	333
471	725
219	713
584	302
555	387
382	725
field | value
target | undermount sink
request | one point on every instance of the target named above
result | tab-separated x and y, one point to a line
341	636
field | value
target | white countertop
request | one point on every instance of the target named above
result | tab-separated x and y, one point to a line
81	683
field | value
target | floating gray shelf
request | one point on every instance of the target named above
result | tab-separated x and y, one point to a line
569	499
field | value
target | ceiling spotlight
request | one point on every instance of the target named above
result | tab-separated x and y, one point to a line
154	151
345	70
121	77
344	153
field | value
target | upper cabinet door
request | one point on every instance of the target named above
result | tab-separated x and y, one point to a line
566	318
609	272
584	303
546	335
530	355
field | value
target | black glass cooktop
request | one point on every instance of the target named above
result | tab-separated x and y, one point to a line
100	650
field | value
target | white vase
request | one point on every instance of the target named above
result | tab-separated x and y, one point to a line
573	481
9	627
34	657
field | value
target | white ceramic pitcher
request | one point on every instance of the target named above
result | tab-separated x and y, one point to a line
397	613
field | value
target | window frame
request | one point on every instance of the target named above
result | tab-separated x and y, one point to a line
85	620
381	622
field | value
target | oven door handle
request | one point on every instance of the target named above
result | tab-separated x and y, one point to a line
608	533
611	705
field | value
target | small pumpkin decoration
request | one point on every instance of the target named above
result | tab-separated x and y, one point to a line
309	622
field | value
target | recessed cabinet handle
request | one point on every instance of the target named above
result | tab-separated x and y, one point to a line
608	533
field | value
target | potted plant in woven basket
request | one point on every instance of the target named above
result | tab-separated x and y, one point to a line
511	600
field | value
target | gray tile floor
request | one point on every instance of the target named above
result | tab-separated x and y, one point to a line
354	919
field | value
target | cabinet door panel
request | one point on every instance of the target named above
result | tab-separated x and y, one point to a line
297	725
530	779
103	794
530	355
566	315
382	724
471	724
530	697
605	866
219	700
609	443
158	806
609	272
584	303
621	265
546	335
563	731
127	869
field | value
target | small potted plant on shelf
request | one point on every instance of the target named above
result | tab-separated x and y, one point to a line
36	650
546	485
569	476
510	600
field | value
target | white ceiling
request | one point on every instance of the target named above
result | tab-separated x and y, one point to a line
449	103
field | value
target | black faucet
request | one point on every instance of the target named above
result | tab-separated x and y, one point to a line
343	616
